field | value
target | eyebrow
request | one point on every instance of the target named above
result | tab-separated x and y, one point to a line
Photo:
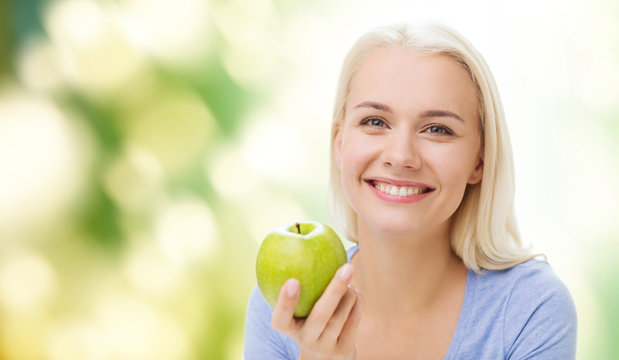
425	114
374	105
440	113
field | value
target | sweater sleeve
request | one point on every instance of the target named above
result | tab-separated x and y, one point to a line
540	317
261	340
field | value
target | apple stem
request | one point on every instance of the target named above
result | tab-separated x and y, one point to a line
298	227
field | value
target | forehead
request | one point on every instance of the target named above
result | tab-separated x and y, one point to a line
399	75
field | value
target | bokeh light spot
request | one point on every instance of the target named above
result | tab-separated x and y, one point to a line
231	175
186	231
149	270
27	282
93	54
43	158
38	66
274	149
75	341
134	179
175	32
175	128
252	55
135	330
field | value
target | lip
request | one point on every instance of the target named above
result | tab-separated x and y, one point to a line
397	182
395	198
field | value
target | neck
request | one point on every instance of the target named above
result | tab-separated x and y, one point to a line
401	277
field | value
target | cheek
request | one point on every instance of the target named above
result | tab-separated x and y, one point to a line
357	152
454	164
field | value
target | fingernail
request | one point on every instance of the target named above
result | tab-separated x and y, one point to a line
345	272
292	288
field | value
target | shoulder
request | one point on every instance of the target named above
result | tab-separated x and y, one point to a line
528	270
528	285
533	280
537	310
527	288
261	340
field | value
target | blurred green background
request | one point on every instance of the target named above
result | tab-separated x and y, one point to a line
147	146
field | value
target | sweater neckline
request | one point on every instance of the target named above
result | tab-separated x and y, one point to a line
465	310
464	319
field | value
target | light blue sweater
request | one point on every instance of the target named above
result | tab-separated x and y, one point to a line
525	312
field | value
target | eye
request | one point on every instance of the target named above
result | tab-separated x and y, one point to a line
374	122
438	130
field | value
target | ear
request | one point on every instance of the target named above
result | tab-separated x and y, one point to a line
337	148
477	173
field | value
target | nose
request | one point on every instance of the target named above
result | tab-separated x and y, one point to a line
401	152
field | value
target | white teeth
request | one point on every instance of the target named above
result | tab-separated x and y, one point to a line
397	190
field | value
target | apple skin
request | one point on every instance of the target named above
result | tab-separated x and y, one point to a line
311	256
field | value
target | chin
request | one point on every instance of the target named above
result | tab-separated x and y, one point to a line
393	227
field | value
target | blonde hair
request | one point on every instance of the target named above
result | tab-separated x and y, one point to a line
484	233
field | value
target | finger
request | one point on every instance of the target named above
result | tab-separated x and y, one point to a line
340	316
348	334
327	303
283	319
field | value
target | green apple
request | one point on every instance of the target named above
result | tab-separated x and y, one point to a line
308	251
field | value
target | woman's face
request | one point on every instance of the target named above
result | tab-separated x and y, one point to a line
409	143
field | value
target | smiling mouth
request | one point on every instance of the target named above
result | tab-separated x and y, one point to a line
395	190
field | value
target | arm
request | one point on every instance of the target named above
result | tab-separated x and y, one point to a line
261	340
540	317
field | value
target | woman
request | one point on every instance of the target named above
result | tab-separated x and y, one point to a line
422	180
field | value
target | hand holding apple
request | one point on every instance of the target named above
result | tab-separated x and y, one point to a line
329	331
310	252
